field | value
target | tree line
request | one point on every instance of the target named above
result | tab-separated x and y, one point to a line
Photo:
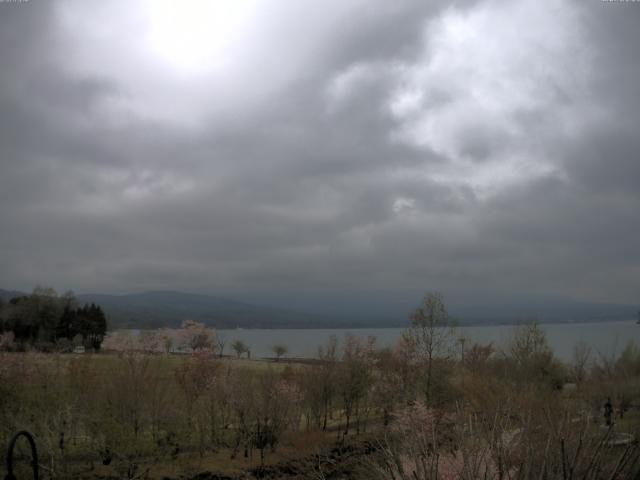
46	321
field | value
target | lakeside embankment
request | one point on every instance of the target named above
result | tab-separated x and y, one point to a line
604	338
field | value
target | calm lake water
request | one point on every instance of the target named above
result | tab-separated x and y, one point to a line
605	338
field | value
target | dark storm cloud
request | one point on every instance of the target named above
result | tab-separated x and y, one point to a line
483	146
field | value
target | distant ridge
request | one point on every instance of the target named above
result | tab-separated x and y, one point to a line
155	309
9	294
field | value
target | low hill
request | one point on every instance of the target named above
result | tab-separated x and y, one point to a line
156	309
7	295
168	308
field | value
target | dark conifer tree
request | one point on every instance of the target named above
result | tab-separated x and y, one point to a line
66	323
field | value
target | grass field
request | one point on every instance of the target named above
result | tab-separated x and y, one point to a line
136	415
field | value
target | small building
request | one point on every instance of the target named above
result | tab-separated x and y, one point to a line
79	349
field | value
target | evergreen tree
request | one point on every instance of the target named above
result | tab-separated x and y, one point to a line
66	324
42	318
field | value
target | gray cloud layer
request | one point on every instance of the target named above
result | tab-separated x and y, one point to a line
476	146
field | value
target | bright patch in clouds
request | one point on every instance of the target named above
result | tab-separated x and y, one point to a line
168	60
401	204
192	35
490	80
493	90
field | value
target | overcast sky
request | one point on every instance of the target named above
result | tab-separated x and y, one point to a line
480	147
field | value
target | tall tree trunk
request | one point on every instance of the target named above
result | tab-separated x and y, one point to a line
326	411
347	412
429	365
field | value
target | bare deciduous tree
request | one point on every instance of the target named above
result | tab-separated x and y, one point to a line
581	356
431	335
279	350
239	347
355	376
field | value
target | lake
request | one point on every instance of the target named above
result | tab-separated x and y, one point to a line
605	338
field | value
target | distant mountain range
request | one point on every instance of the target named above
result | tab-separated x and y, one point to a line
9	294
169	308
